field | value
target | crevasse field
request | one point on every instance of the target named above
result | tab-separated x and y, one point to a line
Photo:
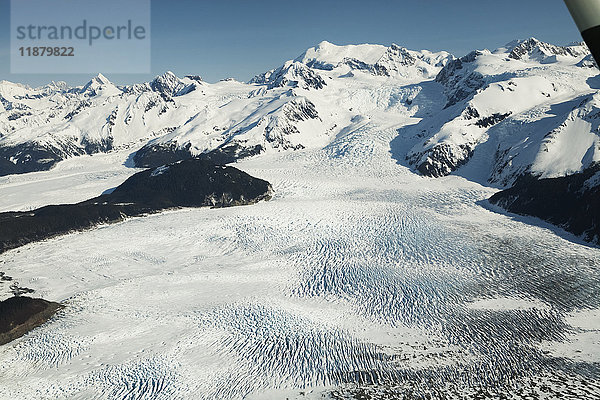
359	278
357	273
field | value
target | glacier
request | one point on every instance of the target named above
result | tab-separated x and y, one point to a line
363	275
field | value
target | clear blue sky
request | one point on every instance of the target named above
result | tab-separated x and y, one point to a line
220	39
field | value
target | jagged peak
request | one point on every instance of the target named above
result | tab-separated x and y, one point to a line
102	79
167	83
99	79
292	73
517	42
61	85
96	82
54	87
541	51
168	76
196	78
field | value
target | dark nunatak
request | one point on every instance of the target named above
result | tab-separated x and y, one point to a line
189	183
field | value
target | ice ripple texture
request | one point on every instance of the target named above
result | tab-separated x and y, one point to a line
358	279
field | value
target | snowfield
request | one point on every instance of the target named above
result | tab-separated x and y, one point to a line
359	278
358	272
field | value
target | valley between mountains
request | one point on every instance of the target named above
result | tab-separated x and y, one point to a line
377	268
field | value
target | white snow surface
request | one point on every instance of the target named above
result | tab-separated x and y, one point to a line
358	274
356	264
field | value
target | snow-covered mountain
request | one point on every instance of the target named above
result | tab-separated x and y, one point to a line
361	278
515	105
39	127
393	61
175	117
526	108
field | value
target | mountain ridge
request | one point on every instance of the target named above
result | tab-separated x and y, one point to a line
473	101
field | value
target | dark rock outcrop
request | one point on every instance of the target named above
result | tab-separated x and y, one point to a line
19	315
292	74
442	159
33	157
460	79
155	155
25	158
189	183
571	202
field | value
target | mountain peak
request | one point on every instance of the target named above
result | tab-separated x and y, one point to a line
168	74
537	50
170	84
166	81
325	44
97	82
293	74
102	79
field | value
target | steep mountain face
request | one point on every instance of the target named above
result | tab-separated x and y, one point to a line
535	50
515	106
292	74
565	141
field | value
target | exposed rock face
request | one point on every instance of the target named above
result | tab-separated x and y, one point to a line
461	82
189	183
442	159
570	202
19	315
587	62
293	74
277	130
399	61
540	51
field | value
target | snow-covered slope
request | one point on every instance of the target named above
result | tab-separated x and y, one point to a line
39	127
297	105
176	117
492	116
394	61
519	107
358	279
